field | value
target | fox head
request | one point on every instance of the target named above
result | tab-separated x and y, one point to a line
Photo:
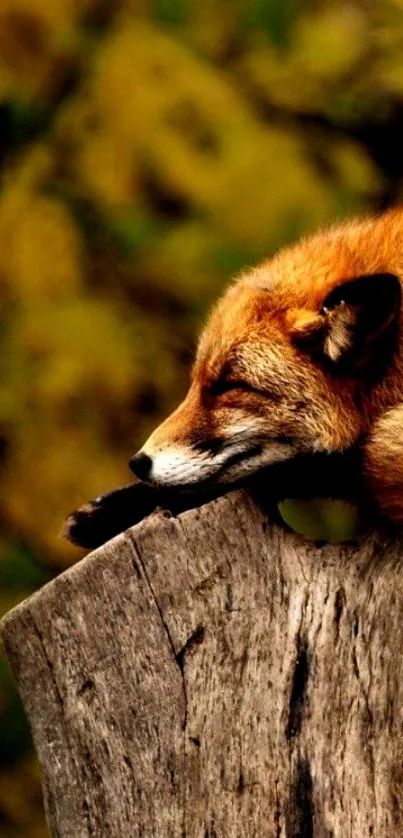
287	363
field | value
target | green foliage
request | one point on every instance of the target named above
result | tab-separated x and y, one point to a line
273	18
150	151
321	519
20	572
133	231
172	11
14	731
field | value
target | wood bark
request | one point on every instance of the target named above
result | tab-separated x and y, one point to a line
213	675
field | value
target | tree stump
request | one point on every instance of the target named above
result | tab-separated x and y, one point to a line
213	675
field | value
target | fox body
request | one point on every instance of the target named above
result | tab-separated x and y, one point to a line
303	356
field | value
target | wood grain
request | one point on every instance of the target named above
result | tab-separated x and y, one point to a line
214	675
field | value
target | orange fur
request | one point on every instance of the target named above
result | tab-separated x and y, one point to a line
287	365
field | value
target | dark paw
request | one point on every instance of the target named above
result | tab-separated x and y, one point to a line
108	515
90	525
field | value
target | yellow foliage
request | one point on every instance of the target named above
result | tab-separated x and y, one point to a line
40	247
106	170
55	454
353	168
33	39
55	14
27	175
164	108
390	72
41	253
329	41
211	25
279	78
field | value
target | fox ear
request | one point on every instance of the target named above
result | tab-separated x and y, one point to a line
356	327
360	320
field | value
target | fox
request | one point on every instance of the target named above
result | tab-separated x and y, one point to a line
298	371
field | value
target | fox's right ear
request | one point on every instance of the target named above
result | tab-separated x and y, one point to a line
357	324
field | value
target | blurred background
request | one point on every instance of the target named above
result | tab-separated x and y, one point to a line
149	150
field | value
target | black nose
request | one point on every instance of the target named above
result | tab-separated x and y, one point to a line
141	465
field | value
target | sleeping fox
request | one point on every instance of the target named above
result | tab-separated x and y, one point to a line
301	358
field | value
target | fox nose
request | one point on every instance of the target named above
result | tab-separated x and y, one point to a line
141	465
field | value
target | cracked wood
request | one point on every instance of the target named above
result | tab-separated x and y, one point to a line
213	676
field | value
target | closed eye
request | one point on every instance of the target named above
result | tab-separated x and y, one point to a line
225	385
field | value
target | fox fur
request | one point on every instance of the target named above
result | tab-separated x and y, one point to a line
301	358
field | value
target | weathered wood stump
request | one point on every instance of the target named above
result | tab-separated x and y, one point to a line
213	675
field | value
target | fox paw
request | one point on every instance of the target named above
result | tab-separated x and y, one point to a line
90	525
109	514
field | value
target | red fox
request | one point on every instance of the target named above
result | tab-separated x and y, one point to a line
302	357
